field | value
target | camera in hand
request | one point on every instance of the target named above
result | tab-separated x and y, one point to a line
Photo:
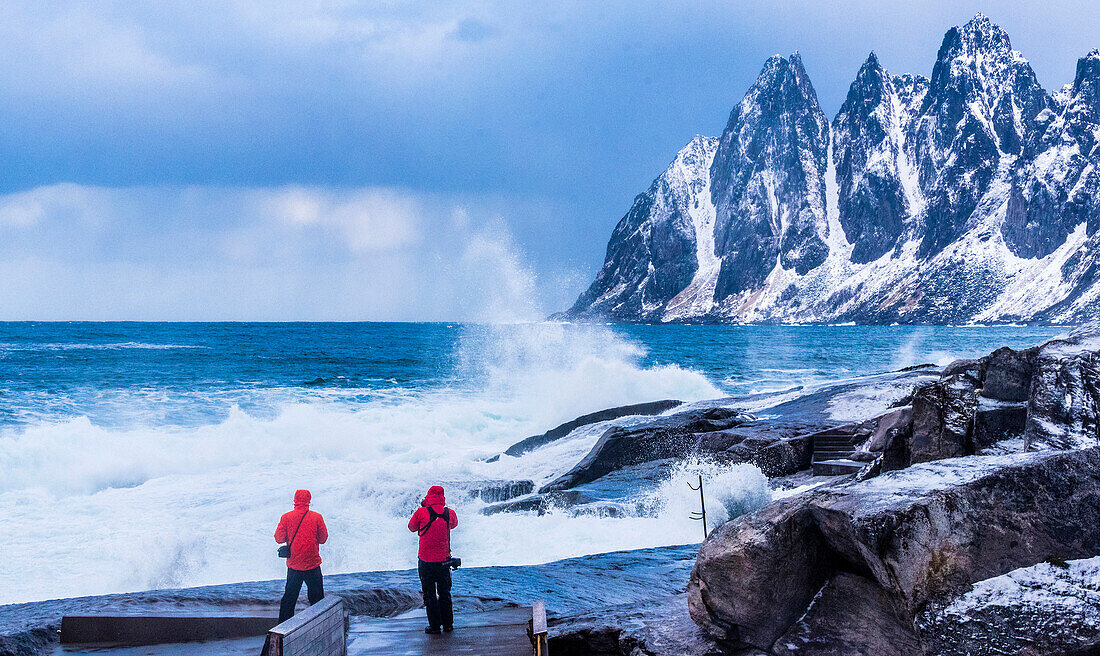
453	563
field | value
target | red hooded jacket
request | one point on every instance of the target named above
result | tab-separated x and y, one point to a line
435	543
304	554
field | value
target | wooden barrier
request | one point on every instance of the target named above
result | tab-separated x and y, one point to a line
163	628
538	629
320	630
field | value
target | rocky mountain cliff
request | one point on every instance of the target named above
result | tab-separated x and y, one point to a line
969	196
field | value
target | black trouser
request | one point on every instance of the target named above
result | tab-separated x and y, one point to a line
294	579
435	581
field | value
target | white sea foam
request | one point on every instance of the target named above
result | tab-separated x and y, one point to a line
174	506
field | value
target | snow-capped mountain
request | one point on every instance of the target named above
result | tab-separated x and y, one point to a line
969	196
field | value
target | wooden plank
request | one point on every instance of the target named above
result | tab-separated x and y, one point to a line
491	633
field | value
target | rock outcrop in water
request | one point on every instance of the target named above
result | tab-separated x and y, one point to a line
969	196
1049	395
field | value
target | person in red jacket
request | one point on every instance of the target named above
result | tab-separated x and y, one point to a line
433	520
304	530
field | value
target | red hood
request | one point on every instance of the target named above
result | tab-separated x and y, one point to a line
435	497
302	499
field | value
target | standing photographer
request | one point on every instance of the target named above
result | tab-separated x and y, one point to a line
303	530
435	560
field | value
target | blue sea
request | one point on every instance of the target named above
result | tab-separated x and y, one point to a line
150	455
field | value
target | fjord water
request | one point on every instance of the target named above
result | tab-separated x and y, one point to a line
137	456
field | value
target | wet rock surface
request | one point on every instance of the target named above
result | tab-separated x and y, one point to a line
777	437
1064	400
650	408
918	535
572	587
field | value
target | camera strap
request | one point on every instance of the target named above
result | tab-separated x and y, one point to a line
297	529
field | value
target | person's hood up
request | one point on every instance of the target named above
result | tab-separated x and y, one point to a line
435	496
302	499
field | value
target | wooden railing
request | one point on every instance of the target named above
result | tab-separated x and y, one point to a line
320	630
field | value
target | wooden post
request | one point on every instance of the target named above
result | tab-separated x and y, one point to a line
538	629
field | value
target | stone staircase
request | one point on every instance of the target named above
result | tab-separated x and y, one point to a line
831	450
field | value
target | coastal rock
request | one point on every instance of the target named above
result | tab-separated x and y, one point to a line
941	416
1048	609
1049	394
650	408
783	457
756	575
497	491
655	627
920	534
995	421
676	435
1064	402
539	503
1006	374
887	426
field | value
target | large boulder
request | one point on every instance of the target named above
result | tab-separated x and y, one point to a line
916	535
850	615
755	576
942	416
1065	393
1006	374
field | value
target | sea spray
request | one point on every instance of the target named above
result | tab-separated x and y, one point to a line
729	491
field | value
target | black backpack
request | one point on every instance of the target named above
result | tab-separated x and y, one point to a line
433	515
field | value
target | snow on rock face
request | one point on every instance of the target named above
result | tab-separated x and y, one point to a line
1042	609
654	252
768	180
972	196
872	167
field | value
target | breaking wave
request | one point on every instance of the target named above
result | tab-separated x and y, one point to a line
177	505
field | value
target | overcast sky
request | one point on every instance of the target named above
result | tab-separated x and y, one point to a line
389	160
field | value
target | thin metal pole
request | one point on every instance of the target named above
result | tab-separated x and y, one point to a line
703	504
702	515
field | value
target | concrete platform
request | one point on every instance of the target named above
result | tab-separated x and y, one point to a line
492	633
163	627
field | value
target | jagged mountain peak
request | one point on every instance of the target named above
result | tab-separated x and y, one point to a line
768	180
980	26
981	52
979	34
969	195
1088	70
870	73
778	69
